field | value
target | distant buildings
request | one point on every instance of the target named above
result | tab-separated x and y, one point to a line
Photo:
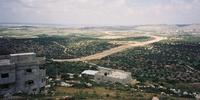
23	72
104	75
89	73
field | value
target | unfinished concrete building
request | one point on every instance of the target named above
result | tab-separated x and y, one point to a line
23	72
112	76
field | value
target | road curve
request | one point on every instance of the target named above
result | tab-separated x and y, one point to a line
111	51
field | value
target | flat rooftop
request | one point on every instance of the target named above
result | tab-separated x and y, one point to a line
119	74
114	73
22	54
104	68
90	72
5	62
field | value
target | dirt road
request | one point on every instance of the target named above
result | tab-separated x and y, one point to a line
65	49
111	51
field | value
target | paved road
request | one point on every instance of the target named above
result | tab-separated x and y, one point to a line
111	51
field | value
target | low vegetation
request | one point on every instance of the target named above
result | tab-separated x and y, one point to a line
54	68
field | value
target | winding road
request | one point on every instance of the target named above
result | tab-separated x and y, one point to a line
65	49
112	50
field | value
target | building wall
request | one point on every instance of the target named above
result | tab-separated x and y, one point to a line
10	70
9	81
23	77
102	78
42	77
22	58
10	89
27	76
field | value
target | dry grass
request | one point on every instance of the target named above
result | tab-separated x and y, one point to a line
99	90
109	94
105	94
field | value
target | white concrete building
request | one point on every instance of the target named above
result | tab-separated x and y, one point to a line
23	72
113	76
89	73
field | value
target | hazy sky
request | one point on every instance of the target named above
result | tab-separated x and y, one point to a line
100	12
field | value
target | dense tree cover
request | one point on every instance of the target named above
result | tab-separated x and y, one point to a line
42	46
54	68
172	62
46	46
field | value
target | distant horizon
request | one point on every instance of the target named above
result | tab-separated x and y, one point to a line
76	25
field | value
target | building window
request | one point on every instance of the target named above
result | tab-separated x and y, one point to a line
43	80
6	75
29	70
42	89
41	67
4	86
105	74
29	82
34	89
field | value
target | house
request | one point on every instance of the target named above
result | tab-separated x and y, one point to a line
89	73
22	72
112	76
103	75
